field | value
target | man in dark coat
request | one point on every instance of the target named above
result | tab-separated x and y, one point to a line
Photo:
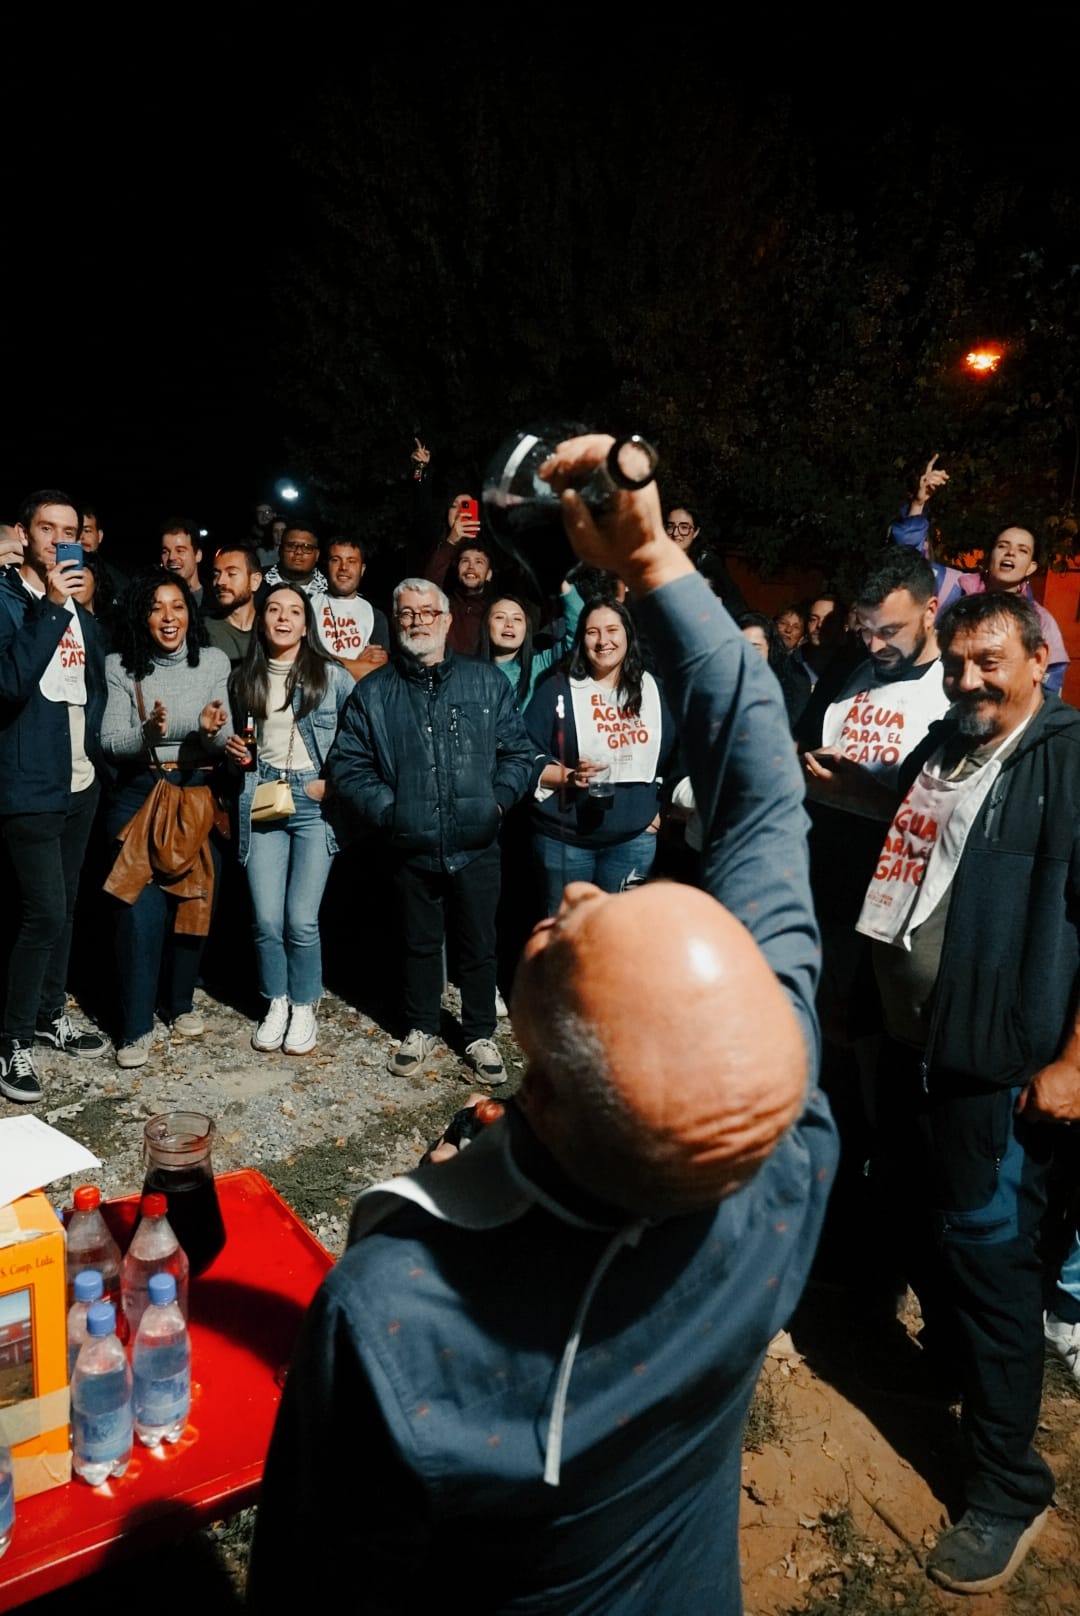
431	752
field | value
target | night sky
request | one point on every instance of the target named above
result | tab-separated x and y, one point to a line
143	225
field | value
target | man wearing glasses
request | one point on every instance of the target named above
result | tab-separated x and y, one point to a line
299	563
682	527
431	752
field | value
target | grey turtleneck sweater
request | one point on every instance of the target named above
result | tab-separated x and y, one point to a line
182	691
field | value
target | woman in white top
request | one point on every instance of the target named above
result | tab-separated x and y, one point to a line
290	695
610	738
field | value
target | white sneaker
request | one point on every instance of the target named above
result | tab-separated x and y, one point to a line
501	1012
134	1054
189	1024
270	1032
1065	1340
484	1058
413	1052
303	1033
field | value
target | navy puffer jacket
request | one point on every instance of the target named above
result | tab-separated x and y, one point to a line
430	755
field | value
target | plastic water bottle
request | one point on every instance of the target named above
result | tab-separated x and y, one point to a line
88	1288
90	1245
101	1414
7	1498
154	1249
161	1360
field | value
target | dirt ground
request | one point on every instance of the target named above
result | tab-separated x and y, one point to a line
846	1486
846	1479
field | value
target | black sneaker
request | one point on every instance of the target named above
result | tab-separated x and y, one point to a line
982	1550
61	1032
18	1079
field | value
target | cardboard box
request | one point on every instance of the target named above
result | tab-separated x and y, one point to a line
33	1345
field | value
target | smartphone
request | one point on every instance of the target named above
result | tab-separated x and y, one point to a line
71	552
470	510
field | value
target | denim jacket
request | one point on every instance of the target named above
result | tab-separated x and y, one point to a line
317	730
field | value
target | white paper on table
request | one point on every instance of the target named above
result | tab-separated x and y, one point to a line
32	1154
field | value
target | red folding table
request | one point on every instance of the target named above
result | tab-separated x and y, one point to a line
245	1312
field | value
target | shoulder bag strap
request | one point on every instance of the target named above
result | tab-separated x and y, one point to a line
141	705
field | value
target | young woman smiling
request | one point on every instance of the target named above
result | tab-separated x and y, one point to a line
597	806
293	694
507	640
165	722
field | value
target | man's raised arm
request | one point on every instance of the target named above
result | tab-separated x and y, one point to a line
732	725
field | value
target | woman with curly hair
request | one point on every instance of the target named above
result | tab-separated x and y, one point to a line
164	729
610	738
290	696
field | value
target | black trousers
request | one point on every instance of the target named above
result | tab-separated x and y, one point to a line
422	898
961	1187
46	853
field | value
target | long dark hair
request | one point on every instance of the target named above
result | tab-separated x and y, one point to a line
250	682
131	624
524	655
632	671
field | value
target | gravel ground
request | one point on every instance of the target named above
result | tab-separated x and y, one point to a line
320	1127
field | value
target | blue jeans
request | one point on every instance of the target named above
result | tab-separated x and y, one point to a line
287	869
1066	1298
613	868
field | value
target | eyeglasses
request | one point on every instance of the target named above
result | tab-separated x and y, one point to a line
296	544
683	529
407	616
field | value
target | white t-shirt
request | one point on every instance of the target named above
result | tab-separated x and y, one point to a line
65	680
344	626
880	723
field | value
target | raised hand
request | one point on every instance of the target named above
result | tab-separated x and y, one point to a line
63	580
932	477
630	539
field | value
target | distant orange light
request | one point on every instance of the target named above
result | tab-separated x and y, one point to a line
983	360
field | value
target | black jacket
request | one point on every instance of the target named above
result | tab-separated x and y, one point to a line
429	755
1006	990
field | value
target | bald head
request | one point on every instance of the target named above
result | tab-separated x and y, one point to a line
663	1058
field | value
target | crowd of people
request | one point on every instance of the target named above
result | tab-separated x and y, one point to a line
509	759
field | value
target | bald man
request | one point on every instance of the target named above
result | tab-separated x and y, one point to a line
530	1370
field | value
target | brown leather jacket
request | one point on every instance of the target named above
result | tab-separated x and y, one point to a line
168	842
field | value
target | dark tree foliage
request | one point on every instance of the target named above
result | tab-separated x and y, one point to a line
476	253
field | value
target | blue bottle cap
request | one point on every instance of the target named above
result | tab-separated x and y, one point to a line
89	1285
162	1288
101	1318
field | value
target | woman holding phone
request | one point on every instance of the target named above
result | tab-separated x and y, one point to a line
610	739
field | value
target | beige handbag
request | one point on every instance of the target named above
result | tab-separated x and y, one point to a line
273	799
